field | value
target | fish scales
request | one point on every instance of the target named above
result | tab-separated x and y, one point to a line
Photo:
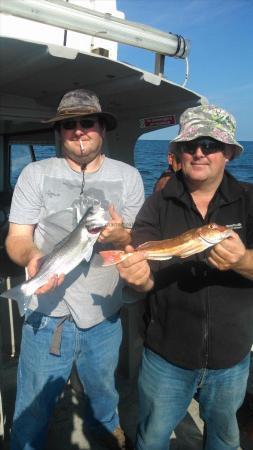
175	245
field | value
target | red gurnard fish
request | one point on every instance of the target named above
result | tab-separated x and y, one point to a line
186	244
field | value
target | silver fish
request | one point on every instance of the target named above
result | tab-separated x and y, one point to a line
65	256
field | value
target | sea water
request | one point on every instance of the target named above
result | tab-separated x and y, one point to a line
150	157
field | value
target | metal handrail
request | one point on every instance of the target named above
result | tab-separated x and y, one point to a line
106	26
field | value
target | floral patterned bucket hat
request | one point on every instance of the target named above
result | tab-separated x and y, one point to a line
209	121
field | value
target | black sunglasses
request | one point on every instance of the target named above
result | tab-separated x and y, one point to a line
72	123
207	146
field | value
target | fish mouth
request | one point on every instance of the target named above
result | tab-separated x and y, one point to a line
223	235
210	241
96	230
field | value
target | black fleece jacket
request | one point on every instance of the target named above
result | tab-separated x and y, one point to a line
197	316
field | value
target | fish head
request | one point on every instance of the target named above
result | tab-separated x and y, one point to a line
81	206
95	217
213	233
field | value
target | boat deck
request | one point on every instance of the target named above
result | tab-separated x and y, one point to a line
67	431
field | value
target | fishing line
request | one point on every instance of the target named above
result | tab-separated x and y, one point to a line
83	166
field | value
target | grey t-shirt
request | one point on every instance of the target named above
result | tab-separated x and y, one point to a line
43	196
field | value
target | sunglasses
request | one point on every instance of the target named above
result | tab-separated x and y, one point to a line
207	146
71	124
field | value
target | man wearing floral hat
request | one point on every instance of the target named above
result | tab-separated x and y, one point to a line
76	319
199	315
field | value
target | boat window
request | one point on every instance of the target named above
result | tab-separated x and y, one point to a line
21	155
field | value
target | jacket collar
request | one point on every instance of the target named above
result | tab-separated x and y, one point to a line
230	188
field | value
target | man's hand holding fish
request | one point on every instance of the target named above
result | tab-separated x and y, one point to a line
136	270
31	257
114	231
33	268
232	254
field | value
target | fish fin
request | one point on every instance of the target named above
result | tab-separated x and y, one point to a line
111	257
88	253
159	258
90	246
146	245
17	293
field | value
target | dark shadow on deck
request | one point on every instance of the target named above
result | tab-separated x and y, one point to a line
67	430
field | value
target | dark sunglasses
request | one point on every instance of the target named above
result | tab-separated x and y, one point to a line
207	146
71	124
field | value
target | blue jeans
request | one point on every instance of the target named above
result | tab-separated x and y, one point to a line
42	376
166	390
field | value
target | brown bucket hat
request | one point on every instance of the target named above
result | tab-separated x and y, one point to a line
79	103
207	121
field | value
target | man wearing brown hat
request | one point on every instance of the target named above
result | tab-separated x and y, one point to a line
75	319
198	321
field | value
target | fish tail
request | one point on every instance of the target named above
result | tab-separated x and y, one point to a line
111	257
18	293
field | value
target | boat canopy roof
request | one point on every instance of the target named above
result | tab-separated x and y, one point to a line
34	77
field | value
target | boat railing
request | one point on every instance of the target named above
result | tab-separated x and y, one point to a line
69	16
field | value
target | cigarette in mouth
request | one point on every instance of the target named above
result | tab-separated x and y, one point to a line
81	144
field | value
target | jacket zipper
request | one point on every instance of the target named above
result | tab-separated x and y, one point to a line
206	333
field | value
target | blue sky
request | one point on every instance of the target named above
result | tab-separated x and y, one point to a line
221	56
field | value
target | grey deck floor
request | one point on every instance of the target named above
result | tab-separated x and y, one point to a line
67	431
